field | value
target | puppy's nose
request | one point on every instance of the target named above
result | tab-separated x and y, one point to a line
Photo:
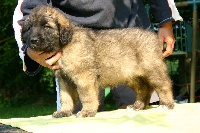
34	40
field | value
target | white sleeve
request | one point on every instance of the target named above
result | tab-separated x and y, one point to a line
175	14
17	29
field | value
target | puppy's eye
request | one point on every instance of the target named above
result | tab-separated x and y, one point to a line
28	28
47	27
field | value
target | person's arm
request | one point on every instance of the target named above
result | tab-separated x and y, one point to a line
165	35
17	28
165	13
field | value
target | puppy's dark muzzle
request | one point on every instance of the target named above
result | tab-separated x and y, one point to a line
33	42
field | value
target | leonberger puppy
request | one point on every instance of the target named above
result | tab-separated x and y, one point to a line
95	59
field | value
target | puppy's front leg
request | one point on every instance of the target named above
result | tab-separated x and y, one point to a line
68	97
87	88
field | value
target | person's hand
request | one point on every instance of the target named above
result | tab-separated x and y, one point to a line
45	59
165	35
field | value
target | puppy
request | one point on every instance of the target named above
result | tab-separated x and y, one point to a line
95	59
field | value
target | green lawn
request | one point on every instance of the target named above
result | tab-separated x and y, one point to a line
26	111
31	110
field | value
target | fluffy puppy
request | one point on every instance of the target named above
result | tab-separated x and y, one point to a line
94	59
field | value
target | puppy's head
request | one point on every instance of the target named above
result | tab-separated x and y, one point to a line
46	29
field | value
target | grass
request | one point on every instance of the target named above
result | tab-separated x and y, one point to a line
33	111
26	111
26	108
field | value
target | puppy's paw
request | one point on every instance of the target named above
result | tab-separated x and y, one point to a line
86	113
169	105
60	114
138	105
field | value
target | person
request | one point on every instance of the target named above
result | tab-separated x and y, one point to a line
99	14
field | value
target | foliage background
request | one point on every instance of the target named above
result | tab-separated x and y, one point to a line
16	88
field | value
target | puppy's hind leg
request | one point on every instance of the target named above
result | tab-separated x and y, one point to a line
143	91
165	93
68	97
163	86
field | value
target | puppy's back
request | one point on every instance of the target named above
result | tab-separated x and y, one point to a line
120	53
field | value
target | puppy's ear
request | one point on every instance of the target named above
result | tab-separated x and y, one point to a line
65	29
26	27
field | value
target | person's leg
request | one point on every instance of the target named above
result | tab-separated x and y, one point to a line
123	96
58	95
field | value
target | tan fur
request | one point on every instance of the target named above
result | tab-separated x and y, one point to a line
94	59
